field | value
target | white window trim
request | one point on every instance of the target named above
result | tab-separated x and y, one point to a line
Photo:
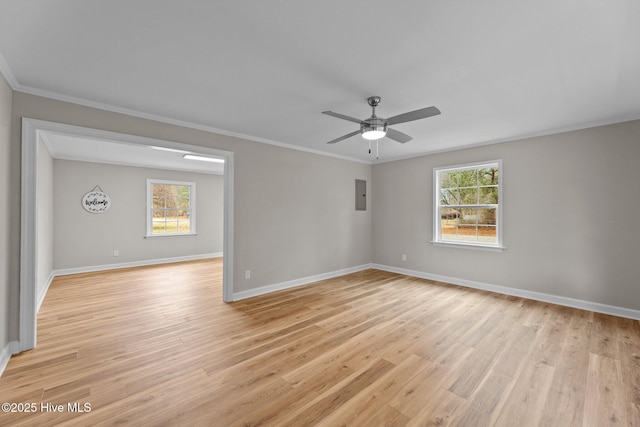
498	246
192	216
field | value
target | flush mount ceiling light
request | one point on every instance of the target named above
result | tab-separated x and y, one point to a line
203	158
173	150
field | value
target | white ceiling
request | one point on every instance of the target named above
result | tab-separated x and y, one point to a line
103	151
497	69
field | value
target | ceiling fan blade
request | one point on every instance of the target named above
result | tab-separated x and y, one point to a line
423	113
342	116
349	135
398	136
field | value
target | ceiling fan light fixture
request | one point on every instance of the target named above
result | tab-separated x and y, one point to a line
374	132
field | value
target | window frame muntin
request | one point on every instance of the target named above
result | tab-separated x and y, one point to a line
436	235
192	207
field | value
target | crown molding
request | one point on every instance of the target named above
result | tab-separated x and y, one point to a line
520	137
168	120
5	71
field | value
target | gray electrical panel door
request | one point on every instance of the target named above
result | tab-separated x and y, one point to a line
361	195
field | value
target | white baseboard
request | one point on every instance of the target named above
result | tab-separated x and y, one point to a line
10	349
237	296
43	293
90	269
538	296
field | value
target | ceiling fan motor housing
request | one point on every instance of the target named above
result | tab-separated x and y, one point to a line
374	100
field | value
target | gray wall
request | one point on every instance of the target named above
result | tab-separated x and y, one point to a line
82	239
570	205
294	211
8	282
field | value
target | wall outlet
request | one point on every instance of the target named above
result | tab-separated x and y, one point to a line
404	257
116	252
247	274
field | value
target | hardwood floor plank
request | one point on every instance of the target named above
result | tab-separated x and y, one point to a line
514	355
629	350
411	398
374	415
525	403
335	398
484	405
604	403
604	336
156	345
550	338
439	410
470	374
566	398
361	409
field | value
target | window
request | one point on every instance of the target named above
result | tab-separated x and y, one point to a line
171	208
468	205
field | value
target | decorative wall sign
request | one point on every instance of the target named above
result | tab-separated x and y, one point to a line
96	201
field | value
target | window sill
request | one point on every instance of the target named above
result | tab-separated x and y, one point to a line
469	246
153	236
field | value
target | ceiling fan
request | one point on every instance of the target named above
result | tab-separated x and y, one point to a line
375	127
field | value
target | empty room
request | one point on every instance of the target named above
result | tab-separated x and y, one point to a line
304	213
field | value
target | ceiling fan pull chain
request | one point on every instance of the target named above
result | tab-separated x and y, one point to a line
377	149
369	146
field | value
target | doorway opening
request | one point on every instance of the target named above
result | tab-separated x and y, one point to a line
33	131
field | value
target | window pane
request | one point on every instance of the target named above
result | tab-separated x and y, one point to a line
158	225
160	190
171	224
467	233
458	178
445	180
171	205
448	223
487	221
468	187
487	216
468	216
488	195
456	232
449	196
184	225
164	221
158	214
184	202
468	196
171	214
488	176
487	234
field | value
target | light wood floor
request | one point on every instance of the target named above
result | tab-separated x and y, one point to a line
156	346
